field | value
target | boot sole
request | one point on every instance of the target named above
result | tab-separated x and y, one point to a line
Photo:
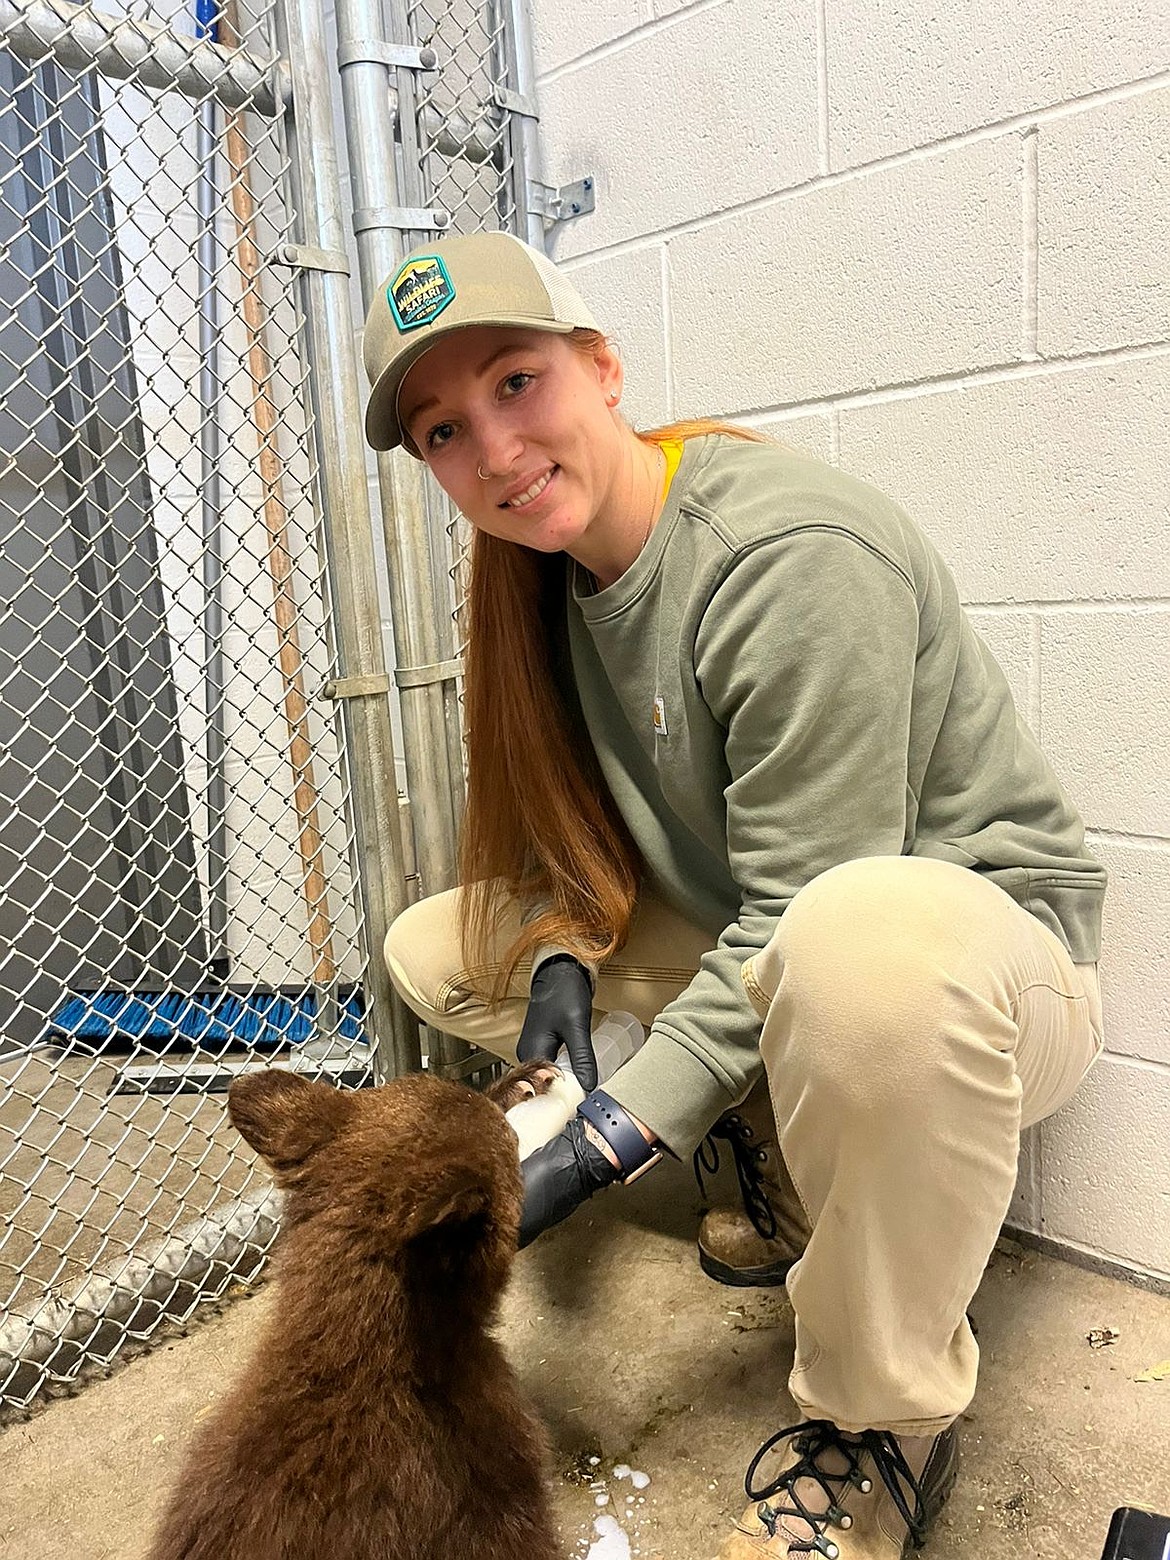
770	1276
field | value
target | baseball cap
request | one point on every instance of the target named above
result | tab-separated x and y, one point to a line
468	279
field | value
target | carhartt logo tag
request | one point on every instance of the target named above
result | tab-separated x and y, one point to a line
659	715
420	292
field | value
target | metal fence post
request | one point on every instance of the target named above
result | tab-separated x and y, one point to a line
363	685
515	45
424	638
375	73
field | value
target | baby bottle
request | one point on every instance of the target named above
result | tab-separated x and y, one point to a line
537	1121
615	1039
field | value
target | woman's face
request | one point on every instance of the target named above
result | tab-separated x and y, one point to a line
532	412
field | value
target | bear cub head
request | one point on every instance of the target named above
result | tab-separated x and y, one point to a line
417	1170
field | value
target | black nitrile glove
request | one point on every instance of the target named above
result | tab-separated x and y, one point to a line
560	1011
560	1177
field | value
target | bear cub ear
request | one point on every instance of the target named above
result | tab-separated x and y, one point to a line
286	1117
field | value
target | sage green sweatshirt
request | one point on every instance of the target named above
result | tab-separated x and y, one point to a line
784	680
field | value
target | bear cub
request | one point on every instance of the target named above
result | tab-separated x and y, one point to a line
379	1418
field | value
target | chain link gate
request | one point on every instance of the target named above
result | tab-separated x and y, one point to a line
199	827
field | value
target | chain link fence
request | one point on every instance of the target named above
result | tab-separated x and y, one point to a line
200	836
179	718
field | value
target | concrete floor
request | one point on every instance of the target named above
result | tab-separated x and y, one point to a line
633	1356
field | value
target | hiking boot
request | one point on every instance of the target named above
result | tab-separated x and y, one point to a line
758	1244
870	1496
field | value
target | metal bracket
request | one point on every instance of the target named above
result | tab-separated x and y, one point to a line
478	1061
335	261
571	200
436	672
356	687
216	1077
515	103
376	51
423	218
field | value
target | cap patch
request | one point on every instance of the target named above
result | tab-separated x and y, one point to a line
419	292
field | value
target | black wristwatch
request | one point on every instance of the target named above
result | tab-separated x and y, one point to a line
617	1127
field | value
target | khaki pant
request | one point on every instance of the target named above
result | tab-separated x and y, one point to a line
913	1019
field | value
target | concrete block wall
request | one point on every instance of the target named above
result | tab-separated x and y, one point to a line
931	244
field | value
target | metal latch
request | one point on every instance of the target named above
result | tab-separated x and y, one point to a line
376	51
335	261
425	219
357	687
515	103
436	672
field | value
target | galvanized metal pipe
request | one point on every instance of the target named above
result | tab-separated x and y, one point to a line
81	38
524	146
422	619
211	508
379	865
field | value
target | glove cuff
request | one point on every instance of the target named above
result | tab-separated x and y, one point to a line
547	952
617	1127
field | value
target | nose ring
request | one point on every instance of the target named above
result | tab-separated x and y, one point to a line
482	474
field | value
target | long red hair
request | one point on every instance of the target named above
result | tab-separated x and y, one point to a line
540	820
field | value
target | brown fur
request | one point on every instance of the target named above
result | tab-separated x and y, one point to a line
378	1419
521	1082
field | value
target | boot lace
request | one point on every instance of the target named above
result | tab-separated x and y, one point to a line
812	1440
748	1157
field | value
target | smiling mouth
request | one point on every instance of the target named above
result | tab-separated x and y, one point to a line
530	495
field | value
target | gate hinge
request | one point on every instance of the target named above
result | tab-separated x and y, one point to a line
571	200
376	51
